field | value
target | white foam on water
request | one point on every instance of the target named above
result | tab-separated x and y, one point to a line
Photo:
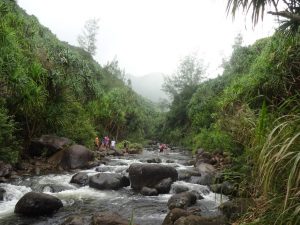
63	180
217	198
205	192
84	193
11	197
157	198
126	161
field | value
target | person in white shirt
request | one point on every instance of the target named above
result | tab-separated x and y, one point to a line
113	144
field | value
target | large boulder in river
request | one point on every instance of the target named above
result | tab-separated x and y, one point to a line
182	200
150	175
76	157
37	204
110	181
108	218
47	145
80	178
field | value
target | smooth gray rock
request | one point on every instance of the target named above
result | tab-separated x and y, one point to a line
37	204
48	145
76	157
182	200
80	178
149	191
164	186
149	175
110	181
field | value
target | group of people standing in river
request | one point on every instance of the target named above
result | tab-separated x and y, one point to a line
106	143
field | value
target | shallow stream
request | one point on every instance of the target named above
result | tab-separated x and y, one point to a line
147	210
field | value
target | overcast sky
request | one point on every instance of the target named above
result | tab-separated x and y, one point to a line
150	35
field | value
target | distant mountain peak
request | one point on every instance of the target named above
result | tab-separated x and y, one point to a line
149	85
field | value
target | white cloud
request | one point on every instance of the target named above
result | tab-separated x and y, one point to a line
150	35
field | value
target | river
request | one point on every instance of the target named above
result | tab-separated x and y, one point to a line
147	210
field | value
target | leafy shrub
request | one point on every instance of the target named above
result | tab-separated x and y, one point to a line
9	149
213	139
70	120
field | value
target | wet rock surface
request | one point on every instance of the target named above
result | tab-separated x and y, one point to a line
149	191
110	181
182	200
37	204
150	175
76	157
48	145
80	178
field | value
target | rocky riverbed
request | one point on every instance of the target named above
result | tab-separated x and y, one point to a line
148	199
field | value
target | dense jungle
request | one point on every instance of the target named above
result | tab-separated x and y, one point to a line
244	125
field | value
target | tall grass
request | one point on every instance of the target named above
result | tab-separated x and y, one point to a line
279	168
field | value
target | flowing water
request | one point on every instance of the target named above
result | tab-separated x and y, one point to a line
147	210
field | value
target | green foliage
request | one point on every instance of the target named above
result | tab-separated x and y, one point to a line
261	127
129	144
290	13
189	74
213	139
9	146
251	111
181	87
280	158
52	87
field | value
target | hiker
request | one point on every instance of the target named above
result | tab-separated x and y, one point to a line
106	142
97	143
113	144
162	147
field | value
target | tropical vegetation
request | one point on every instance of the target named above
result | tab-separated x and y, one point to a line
50	87
251	111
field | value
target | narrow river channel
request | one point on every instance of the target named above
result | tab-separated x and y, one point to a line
147	210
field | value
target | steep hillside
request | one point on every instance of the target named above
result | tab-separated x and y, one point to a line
251	112
48	86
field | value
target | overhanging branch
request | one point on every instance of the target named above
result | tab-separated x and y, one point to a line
288	15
